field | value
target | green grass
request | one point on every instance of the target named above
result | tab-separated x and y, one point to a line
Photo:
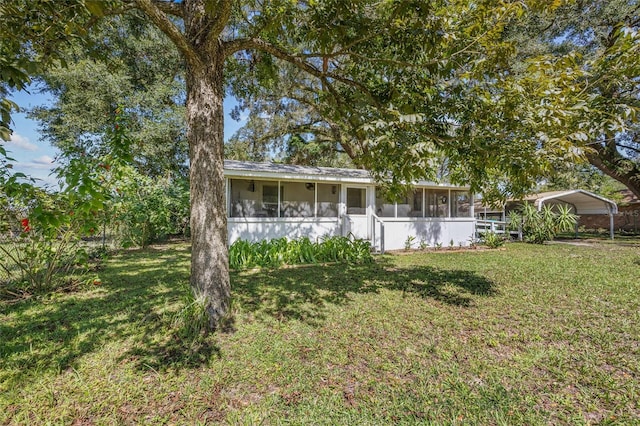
7	266
525	335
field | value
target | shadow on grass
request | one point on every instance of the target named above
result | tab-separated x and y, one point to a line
143	292
132	310
302	293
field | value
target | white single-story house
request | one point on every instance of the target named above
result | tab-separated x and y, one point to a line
268	200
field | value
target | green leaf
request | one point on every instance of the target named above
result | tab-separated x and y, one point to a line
96	8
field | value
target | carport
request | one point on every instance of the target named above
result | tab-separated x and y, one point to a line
582	202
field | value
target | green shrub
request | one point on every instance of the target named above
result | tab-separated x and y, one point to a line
493	240
540	226
281	251
192	321
147	210
408	243
42	245
35	262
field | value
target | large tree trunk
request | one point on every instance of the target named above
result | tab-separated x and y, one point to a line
209	246
615	165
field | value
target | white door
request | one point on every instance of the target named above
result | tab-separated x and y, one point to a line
356	221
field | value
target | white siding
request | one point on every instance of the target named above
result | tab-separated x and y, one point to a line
430	230
257	229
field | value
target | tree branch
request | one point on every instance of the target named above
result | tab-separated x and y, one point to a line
632	18
478	38
160	19
342	51
616	166
220	20
109	12
289	130
387	61
348	119
233	46
169	7
630	148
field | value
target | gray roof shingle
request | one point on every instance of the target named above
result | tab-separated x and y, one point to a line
247	166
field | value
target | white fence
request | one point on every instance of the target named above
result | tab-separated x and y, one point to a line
496	227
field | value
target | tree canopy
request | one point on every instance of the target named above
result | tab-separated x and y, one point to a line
425	82
400	87
585	57
125	64
543	88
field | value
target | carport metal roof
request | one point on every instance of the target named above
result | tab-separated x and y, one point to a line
583	202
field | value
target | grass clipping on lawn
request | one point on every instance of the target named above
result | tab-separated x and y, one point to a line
528	335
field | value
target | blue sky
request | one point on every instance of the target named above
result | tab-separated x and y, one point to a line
33	158
36	158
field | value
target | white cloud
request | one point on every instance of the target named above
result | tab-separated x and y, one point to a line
22	142
43	162
44	159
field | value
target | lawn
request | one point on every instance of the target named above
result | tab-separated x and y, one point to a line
525	335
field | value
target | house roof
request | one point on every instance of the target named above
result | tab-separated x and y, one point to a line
234	168
585	202
248	167
480	207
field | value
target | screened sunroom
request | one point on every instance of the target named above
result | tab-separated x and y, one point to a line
277	198
268	200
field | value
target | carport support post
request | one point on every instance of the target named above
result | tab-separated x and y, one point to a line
520	231
611	222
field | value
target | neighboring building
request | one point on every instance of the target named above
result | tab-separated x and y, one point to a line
267	200
488	212
626	220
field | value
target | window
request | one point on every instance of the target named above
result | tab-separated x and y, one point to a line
460	204
270	199
257	198
437	201
298	199
411	205
328	197
408	206
384	206
253	198
356	201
